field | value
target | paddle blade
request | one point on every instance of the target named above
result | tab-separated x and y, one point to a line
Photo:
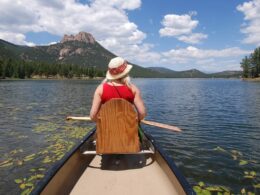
86	118
161	125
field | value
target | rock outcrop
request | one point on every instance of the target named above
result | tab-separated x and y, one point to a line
82	37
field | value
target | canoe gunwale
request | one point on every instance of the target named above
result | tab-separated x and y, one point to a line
57	166
170	162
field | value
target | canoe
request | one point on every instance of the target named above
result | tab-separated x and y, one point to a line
82	171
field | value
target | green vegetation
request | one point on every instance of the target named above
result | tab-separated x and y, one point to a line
249	180
59	140
21	69
202	189
251	64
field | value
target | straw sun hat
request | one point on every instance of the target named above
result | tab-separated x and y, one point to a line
118	68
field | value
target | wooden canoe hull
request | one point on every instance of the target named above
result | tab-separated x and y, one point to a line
98	174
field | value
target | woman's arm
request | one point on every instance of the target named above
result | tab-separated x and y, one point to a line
96	103
139	103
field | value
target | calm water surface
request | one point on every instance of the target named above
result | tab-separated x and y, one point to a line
220	119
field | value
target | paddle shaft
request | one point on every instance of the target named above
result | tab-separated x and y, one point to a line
152	123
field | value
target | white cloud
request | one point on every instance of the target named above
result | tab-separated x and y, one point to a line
175	25
193	38
121	4
214	65
205	59
106	20
251	10
51	43
138	53
17	38
181	27
195	53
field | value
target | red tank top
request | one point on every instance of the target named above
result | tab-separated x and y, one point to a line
110	92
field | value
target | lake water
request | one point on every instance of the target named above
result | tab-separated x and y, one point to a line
220	119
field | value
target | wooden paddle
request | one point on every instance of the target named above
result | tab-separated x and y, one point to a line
152	123
161	125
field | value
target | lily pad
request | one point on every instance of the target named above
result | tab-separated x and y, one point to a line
19	162
197	189
18	181
29	184
250	175
27	191
225	189
253	173
243	162
243	191
201	184
47	160
214	188
14	152
205	192
39	176
220	149
33	177
236	152
29	157
22	186
234	157
6	164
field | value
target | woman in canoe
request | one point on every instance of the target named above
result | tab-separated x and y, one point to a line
117	85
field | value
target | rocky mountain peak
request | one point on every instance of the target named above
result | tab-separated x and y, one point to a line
81	36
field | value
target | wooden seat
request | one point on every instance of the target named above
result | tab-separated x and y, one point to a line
117	128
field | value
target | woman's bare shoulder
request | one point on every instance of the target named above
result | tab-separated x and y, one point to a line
99	89
134	88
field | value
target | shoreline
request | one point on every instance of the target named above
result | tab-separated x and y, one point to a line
101	78
251	79
52	78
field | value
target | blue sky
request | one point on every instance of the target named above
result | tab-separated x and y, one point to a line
210	36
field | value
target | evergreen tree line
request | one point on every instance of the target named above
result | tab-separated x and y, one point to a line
251	64
20	69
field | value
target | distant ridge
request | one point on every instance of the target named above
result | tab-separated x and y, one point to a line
82	49
227	74
194	73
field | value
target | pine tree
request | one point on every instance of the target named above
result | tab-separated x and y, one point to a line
245	66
